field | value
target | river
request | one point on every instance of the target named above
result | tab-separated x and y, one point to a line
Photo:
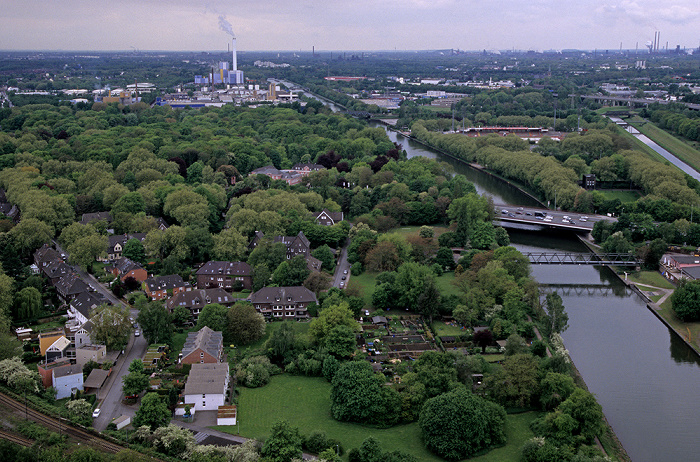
642	374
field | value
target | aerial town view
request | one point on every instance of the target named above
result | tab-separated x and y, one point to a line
371	232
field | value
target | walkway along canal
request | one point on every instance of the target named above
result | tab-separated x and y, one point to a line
643	375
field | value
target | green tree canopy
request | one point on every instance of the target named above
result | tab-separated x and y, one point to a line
244	324
153	411
458	424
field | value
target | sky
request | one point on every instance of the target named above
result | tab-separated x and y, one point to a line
299	25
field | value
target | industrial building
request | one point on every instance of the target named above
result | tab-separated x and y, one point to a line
224	74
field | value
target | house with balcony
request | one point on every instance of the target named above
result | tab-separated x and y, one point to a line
227	275
196	300
162	287
283	302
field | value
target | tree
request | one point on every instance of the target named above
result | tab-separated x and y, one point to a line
317	282
335	315
27	303
555	388
340	341
555	320
173	440
281	344
283	444
111	326
513	261
80	412
587	413
325	254
153	411
134	251
483	338
516	383
229	245
445	258
459	424
214	316
136	366
466	212
261	276
244	324
134	383
359	395
685	300
156	323
181	315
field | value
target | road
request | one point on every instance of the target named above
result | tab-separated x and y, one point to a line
342	269
581	222
110	395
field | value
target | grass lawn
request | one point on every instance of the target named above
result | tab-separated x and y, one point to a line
676	146
300	328
365	282
444	283
406	230
442	328
639	146
624	196
309	410
688	330
650	278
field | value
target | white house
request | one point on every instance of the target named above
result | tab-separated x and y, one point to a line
67	379
206	386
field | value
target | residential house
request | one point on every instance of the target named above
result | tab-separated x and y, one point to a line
225	274
46	370
256	240
283	302
291	178
196	300
305	169
328	218
55	270
206	386
45	255
124	268
57	350
82	334
296	245
67	380
681	261
203	346
88	218
313	263
162	287
87	353
80	307
70	286
116	244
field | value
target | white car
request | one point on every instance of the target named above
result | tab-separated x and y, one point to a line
137	333
96	413
583	218
345	272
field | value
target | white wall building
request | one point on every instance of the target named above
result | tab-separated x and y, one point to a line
206	386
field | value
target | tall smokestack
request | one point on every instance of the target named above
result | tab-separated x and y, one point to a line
235	60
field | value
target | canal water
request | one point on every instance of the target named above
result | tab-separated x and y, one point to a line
645	378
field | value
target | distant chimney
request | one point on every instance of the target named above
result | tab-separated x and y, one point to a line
235	61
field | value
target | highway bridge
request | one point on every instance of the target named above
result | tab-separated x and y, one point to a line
537	219
627	101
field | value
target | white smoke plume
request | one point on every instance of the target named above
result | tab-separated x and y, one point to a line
226	26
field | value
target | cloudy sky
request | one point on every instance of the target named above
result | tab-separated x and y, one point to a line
345	25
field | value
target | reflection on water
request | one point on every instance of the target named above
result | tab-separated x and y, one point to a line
680	351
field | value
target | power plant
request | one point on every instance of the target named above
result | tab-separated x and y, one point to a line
224	74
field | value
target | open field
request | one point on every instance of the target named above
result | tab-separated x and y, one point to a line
442	328
650	278
678	147
624	196
310	411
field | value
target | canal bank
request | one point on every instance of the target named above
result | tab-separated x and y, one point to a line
619	347
642	375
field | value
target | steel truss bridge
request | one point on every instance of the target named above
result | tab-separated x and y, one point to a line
571	258
583	289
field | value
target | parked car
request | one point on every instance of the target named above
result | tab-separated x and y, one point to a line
137	333
96	413
345	272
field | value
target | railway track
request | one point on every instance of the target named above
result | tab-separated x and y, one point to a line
5	435
59	426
